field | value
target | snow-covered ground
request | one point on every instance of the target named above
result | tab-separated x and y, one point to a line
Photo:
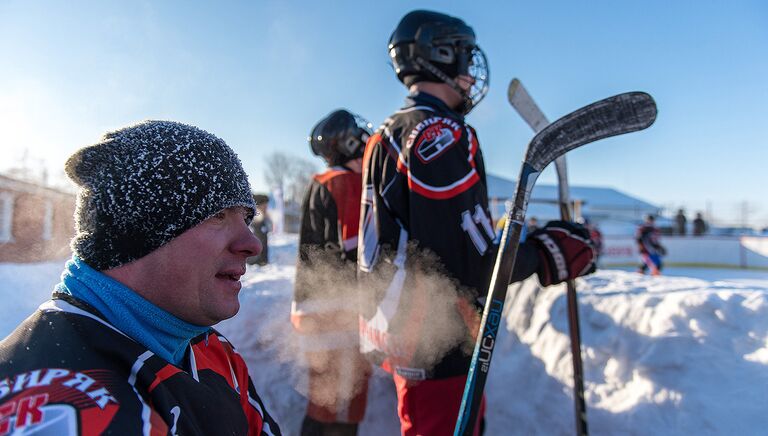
686	353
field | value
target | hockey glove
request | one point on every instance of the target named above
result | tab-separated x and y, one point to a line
565	252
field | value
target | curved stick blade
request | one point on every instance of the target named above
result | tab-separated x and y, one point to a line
617	115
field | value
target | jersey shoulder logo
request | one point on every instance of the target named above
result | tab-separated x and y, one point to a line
433	137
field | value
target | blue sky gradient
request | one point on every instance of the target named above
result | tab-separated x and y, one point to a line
260	74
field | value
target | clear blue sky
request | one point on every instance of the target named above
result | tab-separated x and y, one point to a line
259	74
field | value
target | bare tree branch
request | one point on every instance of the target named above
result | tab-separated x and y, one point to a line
289	173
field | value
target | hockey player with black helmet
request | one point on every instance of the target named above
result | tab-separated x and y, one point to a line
425	197
324	312
436	48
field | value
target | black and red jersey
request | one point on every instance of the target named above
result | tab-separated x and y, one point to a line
648	239
65	370
424	216
329	225
323	312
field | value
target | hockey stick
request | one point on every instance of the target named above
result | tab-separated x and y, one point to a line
525	106
613	116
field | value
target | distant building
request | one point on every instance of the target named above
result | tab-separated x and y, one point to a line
613	211
36	222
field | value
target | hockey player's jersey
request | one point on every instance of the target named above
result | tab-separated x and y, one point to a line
324	311
65	371
427	241
648	240
328	234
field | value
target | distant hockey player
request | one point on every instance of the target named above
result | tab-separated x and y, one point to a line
125	345
325	310
427	241
595	235
649	246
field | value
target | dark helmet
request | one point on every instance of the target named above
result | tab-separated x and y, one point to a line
340	137
434	47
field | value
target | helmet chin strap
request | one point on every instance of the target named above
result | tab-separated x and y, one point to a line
466	105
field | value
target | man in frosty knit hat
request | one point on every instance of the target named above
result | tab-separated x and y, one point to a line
125	345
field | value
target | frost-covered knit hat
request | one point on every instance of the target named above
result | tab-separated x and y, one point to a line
143	185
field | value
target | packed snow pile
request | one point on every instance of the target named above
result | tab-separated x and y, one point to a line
662	355
668	355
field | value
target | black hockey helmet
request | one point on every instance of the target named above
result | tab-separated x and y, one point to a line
340	137
434	47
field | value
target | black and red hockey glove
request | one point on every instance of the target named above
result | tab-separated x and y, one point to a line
565	252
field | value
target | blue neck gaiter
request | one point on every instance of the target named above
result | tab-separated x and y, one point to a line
151	326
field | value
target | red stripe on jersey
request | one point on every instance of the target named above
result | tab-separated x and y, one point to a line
394	153
163	375
442	194
255	420
222	358
346	188
158	427
214	356
370	145
252	413
323	178
473	145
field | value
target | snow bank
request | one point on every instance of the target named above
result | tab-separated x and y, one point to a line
667	355
23	286
662	355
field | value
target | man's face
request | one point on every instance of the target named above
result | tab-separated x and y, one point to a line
196	276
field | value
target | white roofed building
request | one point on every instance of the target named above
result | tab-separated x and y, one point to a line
613	211
36	221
